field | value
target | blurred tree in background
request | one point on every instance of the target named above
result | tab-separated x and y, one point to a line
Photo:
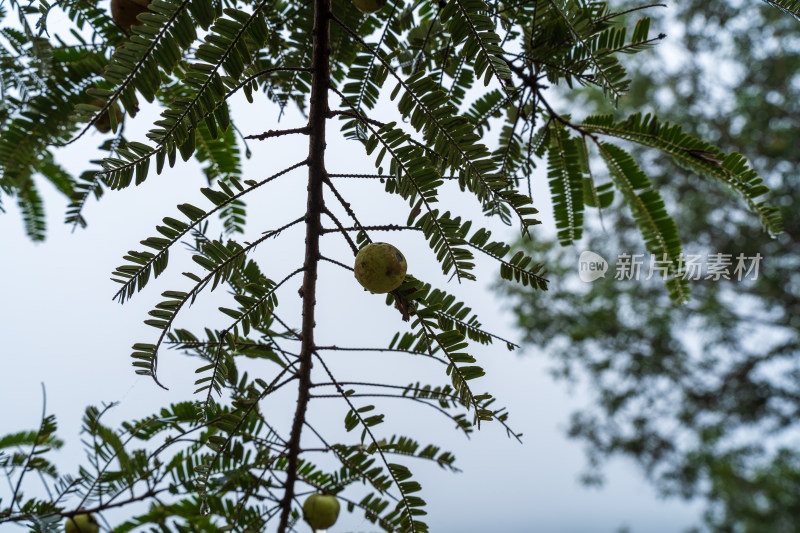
705	396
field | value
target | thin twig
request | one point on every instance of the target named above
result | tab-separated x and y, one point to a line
277	133
341	230
383	227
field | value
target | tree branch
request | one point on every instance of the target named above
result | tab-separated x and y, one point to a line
317	118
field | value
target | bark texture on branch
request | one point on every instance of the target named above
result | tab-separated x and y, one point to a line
317	117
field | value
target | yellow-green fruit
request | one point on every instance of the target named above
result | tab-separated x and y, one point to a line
321	511
369	6
380	267
124	11
82	523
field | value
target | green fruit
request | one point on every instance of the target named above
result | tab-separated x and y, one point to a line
369	6
103	122
321	511
380	267
82	523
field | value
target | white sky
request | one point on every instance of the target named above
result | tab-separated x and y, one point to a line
61	328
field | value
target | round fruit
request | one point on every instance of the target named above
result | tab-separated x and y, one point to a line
103	122
82	523
369	6
124	11
321	511
380	267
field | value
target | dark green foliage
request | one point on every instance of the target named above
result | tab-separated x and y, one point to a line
38	81
694	155
658	229
566	184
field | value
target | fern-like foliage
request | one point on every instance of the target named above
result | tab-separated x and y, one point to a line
43	83
658	228
695	155
566	184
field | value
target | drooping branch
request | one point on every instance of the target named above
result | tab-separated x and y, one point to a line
341	229
135	277
217	361
345	205
132	164
199	286
40	431
404	500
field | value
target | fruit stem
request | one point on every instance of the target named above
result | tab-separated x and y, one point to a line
317	117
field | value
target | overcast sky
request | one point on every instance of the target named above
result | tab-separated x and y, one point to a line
61	328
